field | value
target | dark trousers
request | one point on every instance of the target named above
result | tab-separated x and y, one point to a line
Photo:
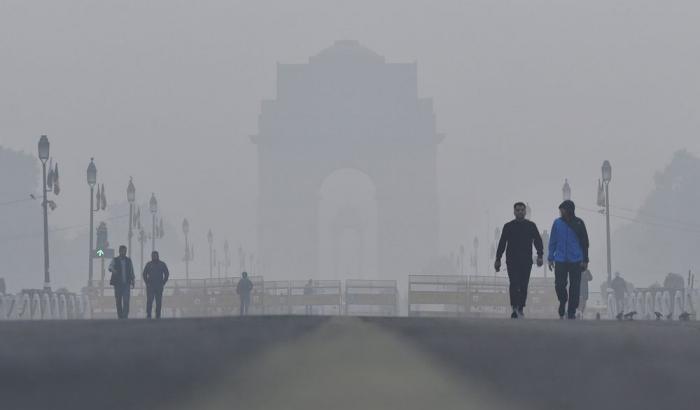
122	293
245	302
519	276
571	272
154	292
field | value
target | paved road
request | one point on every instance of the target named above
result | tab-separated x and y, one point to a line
349	363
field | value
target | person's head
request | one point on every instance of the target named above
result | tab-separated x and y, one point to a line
122	250
519	210
567	209
154	256
244	275
617	274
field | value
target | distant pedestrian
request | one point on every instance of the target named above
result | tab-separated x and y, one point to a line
123	281
244	289
308	291
568	248
619	287
586	276
517	239
155	276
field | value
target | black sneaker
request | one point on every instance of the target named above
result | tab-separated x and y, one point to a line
521	314
514	315
562	310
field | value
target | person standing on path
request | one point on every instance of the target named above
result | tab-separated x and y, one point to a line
123	281
517	239
244	289
568	256
155	276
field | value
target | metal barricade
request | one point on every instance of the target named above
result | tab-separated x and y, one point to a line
324	297
437	295
371	297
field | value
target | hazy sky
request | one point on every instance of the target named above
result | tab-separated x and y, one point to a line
527	92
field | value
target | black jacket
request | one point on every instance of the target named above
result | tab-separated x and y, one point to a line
517	239
116	268
156	273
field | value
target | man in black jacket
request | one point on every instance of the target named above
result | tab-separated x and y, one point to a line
155	275
123	280
517	238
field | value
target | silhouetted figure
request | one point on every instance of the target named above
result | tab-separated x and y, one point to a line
658	315
309	290
630	315
586	277
568	256
619	287
684	317
243	289
517	238
122	280
155	276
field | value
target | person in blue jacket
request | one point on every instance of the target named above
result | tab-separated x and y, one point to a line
568	256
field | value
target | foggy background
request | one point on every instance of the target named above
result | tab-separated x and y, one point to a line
528	93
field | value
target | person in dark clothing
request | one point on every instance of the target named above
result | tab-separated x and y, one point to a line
619	287
517	238
155	276
243	289
308	291
568	256
122	280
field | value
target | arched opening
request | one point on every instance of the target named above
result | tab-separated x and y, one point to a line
347	226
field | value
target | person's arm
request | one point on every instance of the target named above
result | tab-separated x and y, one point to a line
502	243
552	242
539	246
167	273
584	241
111	265
146	272
132	277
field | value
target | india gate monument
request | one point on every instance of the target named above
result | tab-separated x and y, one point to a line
347	109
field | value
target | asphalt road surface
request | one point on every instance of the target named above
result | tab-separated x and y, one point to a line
349	363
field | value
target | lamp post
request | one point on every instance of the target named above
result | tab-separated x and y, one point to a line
131	197
566	190
607	176
476	255
210	239
227	258
43	148
189	252
153	206
101	204
143	237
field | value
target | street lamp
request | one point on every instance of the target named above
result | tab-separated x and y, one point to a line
476	254
227	258
189	251
131	197
210	239
607	176
153	206
51	181
101	204
566	190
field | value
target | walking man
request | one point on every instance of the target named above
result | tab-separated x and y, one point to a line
155	275
568	256
123	280
586	276
308	291
517	238
243	289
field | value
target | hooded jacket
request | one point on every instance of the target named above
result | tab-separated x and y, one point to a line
568	241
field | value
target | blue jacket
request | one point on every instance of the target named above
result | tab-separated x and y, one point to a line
565	244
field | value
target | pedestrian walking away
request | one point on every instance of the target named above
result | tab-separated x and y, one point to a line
244	289
619	287
517	239
122	280
568	256
155	276
308	291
